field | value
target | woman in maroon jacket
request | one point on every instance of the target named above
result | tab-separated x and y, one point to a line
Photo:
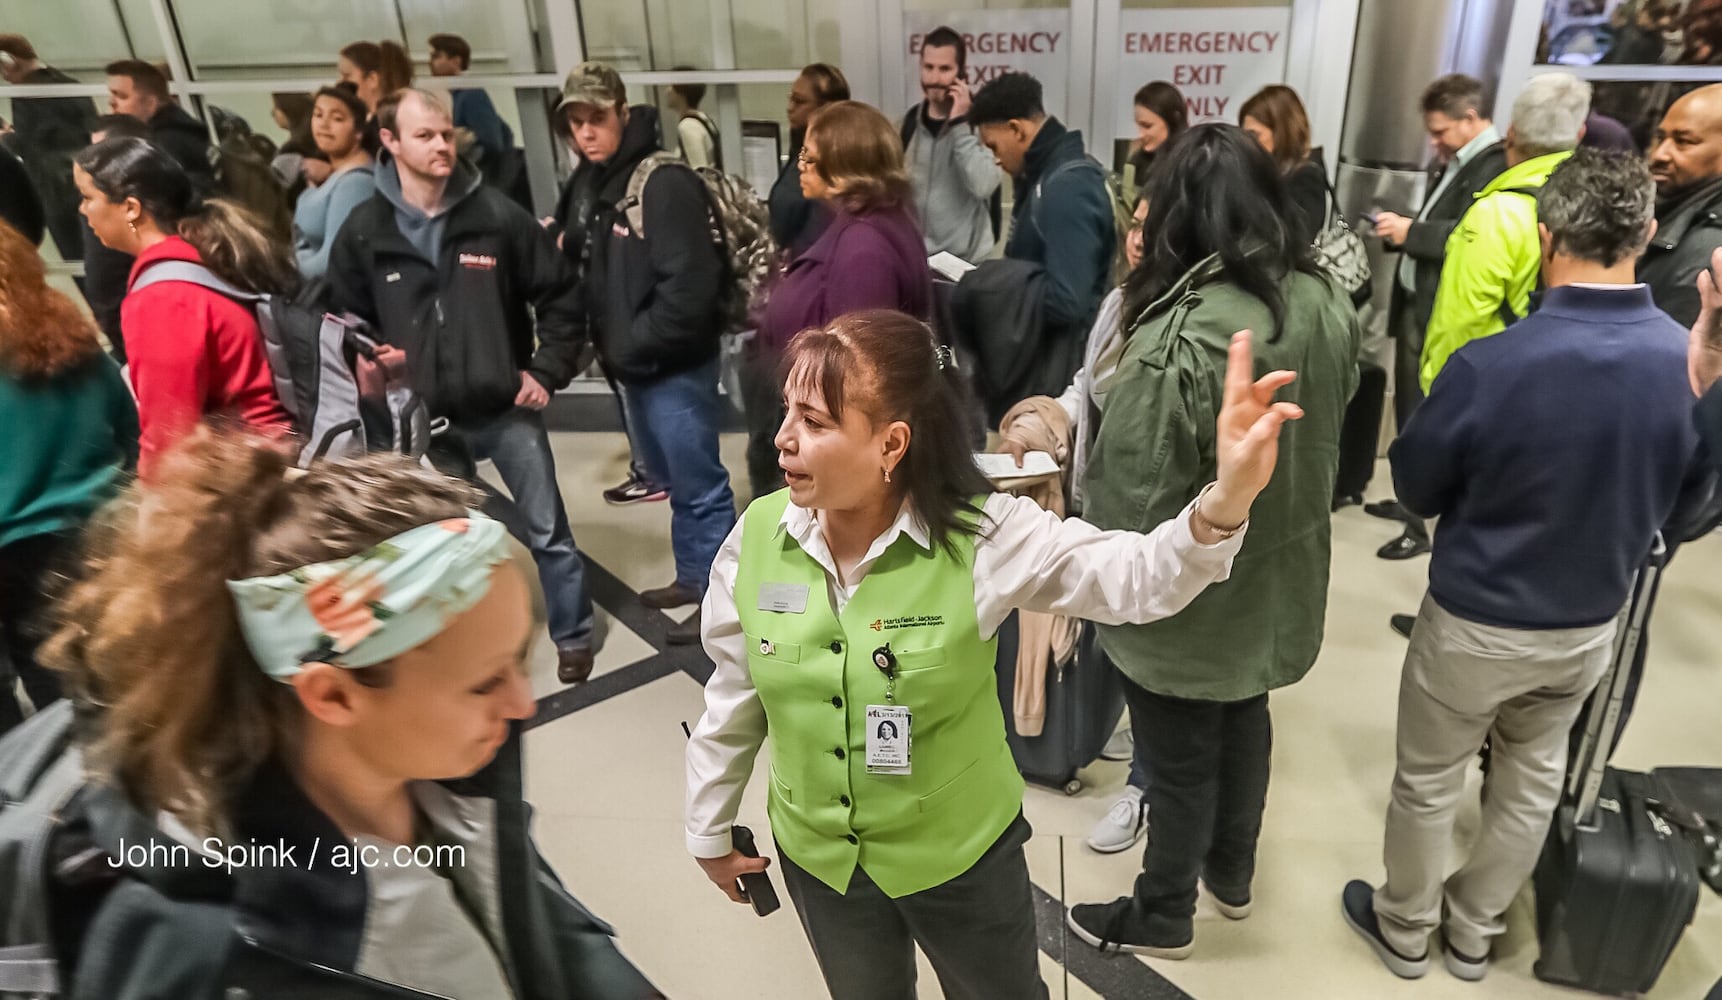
192	352
871	256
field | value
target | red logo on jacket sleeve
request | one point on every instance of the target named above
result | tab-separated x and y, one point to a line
478	261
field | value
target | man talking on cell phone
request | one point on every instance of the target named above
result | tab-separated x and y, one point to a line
955	178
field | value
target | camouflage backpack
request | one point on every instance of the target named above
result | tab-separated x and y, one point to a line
740	229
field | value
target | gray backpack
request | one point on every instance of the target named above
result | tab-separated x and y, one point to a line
40	772
343	403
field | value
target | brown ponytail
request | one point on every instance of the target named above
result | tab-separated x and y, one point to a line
394	67
148	636
234	244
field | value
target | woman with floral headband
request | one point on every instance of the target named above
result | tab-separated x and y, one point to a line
330	665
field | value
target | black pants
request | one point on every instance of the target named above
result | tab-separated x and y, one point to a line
25	567
762	405
1408	337
1210	765
977	930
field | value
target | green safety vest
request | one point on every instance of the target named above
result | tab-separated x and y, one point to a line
816	676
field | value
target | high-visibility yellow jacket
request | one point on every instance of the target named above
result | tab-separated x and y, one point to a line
1493	258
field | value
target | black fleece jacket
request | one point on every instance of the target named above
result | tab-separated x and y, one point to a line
494	300
650	298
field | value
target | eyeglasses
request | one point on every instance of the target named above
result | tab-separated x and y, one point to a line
805	162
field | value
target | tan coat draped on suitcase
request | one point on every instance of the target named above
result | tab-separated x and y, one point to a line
1039	423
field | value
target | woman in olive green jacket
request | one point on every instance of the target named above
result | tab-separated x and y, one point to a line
1223	257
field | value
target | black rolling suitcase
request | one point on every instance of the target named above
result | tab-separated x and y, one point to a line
1084	701
1360	434
1617	884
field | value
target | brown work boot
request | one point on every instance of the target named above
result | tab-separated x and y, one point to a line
685	633
673	596
573	666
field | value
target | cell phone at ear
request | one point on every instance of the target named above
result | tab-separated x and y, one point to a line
757	887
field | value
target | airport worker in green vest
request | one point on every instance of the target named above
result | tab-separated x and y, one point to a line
852	618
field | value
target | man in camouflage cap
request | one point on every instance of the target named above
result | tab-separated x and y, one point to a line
651	277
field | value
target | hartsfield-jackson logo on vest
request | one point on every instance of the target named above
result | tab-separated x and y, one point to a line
909	621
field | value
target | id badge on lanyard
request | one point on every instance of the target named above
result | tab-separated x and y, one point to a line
888	725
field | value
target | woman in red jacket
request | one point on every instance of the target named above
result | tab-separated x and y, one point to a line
193	352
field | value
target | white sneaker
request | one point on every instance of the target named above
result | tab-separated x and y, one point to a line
1123	825
1122	746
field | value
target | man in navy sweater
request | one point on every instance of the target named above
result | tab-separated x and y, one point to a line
1552	453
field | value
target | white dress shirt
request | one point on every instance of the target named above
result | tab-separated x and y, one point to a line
1025	557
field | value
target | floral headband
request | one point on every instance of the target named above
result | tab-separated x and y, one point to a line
368	608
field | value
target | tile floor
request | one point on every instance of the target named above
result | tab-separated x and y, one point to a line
607	781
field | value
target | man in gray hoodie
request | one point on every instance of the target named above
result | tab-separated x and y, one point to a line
954	175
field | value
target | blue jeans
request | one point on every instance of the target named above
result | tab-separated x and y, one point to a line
517	444
676	421
631	429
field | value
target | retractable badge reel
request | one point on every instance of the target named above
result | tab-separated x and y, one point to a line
887	724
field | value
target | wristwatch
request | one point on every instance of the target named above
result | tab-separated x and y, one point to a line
1224	533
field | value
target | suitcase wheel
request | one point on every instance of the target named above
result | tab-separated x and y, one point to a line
1073	786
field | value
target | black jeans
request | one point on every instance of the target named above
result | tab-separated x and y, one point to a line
762	405
977	929
1210	766
25	566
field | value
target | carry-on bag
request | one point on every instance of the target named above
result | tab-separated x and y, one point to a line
1617	884
1084	701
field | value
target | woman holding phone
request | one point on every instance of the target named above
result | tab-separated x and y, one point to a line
871	591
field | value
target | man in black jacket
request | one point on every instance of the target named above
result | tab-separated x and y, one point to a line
1062	220
649	250
1686	162
138	89
454	274
1471	155
48	131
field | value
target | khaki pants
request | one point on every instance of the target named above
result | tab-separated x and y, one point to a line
1464	681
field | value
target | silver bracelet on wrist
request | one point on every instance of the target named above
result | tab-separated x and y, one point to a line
1224	533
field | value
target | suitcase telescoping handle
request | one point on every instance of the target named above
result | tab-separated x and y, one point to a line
1602	717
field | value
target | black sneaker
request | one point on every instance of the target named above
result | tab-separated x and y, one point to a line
634	490
1115	926
1463	966
1358	905
1233	904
